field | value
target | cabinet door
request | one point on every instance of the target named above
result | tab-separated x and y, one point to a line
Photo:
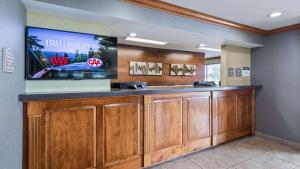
100	133
120	132
71	138
197	133
244	109
167	115
231	115
163	128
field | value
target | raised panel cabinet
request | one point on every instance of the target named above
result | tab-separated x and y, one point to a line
103	133
167	126
71	136
197	128
175	124
131	132
233	114
121	135
244	109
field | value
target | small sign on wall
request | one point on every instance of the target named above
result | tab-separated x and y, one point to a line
230	72
8	60
238	72
246	71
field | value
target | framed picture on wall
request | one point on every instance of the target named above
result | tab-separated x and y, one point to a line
189	70
238	72
230	72
176	69
155	69
138	68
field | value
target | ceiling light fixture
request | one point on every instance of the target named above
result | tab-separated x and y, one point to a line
202	45
145	41
209	49
275	14
132	34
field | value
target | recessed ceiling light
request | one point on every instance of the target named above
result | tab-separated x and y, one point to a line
275	14
209	49
145	41
132	34
202	45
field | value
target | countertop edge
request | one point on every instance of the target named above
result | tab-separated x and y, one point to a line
83	95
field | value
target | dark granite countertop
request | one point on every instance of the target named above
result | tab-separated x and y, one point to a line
27	97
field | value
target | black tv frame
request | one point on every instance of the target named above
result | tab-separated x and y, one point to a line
27	55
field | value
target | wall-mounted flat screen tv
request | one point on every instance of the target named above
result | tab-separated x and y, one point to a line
55	54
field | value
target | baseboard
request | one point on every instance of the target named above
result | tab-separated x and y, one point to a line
279	140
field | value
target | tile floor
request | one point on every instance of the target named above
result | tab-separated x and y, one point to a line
248	153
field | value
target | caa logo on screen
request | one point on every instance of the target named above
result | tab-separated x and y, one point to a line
95	62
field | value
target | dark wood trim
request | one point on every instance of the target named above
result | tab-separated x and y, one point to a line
25	158
188	13
284	29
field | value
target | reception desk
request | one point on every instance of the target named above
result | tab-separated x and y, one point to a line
131	129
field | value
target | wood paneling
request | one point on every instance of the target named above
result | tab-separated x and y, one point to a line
198	117
121	133
244	109
165	127
25	156
227	115
71	138
232	115
253	112
175	124
131	132
197	128
167	115
101	133
142	54
188	13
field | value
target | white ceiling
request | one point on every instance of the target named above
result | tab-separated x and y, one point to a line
249	12
184	40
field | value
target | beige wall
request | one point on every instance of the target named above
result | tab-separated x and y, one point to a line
235	57
216	60
54	22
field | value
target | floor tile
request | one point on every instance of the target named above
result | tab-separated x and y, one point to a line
181	163
289	154
230	154
208	160
265	161
247	153
161	166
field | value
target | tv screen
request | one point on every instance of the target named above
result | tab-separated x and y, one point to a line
55	54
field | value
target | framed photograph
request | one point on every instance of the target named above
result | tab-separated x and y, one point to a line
176	69
138	68
155	69
230	72
190	70
238	72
